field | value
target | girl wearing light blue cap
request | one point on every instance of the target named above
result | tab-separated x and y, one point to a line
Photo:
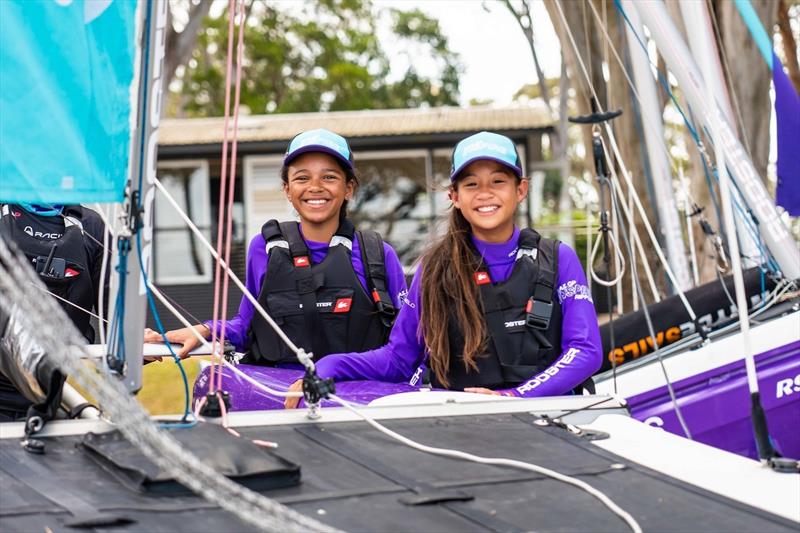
492	309
330	288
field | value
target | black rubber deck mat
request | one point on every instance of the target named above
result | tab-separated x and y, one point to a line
239	459
356	480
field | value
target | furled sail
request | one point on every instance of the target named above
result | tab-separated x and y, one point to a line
787	115
68	69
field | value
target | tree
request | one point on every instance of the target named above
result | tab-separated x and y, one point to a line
180	42
318	56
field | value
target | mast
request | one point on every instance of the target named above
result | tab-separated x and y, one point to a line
677	56
700	33
141	192
657	156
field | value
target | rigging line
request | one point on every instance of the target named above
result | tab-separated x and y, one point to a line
177	305
59	339
605	47
222	191
101	296
521	465
728	75
232	182
634	273
687	212
76	306
562	414
283	394
661	78
618	196
187	411
651	331
299	352
585	21
632	85
692	129
625	174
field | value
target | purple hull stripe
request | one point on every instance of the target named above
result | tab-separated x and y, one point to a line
716	404
246	397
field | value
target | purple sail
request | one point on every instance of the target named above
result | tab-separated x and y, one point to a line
716	404
246	397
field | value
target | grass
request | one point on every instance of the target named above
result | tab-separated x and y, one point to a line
162	390
162	387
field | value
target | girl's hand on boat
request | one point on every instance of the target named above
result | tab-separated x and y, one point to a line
184	336
482	390
291	402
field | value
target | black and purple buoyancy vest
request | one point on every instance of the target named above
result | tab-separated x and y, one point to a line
62	264
523	321
321	307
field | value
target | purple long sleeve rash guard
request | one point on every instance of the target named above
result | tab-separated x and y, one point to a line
236	329
581	352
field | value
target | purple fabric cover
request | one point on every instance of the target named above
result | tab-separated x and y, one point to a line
246	397
237	327
716	404
400	359
787	113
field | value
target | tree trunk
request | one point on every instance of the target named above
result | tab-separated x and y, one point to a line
789	44
590	41
179	45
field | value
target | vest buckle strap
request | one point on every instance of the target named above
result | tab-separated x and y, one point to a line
538	313
384	305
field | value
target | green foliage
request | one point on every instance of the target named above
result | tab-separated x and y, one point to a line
323	55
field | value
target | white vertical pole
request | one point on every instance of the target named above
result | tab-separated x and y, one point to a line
679	59
700	34
652	124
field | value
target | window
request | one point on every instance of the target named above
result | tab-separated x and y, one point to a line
264	198
393	199
179	257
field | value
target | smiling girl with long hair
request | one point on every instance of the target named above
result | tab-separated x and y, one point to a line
492	309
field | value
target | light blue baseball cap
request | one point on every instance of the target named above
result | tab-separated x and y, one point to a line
485	145
320	140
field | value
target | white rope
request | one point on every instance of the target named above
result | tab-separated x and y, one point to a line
617	253
687	206
101	292
302	356
99	318
635	238
206	344
456	454
625	173
63	344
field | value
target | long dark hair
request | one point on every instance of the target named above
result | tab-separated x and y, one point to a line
350	176
449	292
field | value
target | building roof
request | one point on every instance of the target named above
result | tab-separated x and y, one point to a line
353	124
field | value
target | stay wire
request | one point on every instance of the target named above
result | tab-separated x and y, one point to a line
704	156
301	354
727	73
651	329
626	176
